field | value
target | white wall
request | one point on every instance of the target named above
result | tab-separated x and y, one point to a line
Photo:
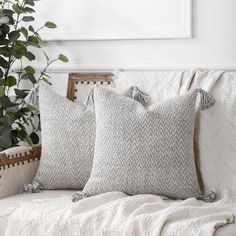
213	46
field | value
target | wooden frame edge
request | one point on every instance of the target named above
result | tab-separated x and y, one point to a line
86	77
7	161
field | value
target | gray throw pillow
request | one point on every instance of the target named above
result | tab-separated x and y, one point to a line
68	137
142	150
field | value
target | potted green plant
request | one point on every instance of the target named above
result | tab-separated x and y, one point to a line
17	119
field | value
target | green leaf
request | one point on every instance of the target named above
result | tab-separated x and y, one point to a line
20	93
18	9
3	62
29	10
34	137
28	140
27	18
13	109
50	25
34	41
6	51
24	32
1	73
5	101
32	79
11	81
7	12
30	56
22	134
5	29
29	70
46	81
29	2
5	138
13	36
31	28
2	91
19	50
63	58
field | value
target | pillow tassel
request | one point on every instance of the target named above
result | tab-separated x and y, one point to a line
32	98
206	100
32	188
210	197
138	95
78	196
90	98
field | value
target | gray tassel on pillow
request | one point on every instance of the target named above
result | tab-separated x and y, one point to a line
78	196
138	95
32	98
32	188
90	97
210	197
206	100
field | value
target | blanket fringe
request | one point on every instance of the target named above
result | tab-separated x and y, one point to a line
78	196
206	100
31	188
210	197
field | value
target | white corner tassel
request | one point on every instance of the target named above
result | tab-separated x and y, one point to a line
32	98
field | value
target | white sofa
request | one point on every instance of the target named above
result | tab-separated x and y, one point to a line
217	152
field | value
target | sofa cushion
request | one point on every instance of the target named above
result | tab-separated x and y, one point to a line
139	150
68	136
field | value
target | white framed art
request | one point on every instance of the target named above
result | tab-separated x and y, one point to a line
116	19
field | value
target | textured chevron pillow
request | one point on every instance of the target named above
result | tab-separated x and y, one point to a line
145	151
68	136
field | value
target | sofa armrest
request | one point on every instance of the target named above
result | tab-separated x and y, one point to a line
18	166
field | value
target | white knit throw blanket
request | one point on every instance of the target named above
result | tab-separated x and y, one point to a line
116	214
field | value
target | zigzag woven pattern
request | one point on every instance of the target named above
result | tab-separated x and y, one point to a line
68	136
139	150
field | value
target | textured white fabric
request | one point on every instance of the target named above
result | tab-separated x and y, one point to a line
216	135
157	84
9	204
116	214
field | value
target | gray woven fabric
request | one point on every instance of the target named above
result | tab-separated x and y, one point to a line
68	136
141	151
